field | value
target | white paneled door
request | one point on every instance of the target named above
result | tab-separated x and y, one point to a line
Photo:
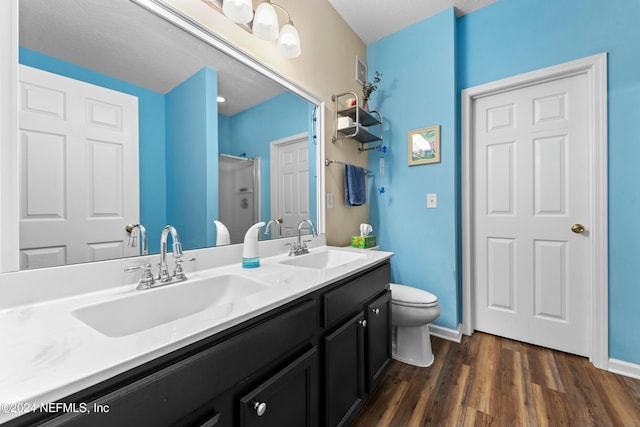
79	183
290	182
531	214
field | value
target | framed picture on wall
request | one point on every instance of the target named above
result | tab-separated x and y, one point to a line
424	146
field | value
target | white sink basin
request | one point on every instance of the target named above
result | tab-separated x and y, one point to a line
145	309
324	260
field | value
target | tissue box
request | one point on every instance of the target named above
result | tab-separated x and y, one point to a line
363	242
345	122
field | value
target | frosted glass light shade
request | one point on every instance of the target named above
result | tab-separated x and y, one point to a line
240	11
289	42
265	23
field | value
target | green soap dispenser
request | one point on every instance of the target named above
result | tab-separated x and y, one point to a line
250	253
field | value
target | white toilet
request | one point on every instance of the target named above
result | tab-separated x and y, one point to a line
412	310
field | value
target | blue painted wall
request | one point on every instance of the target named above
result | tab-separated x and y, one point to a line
192	158
512	37
507	38
151	136
252	130
224	134
417	90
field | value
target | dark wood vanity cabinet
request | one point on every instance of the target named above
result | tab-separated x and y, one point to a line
204	388
357	347
312	362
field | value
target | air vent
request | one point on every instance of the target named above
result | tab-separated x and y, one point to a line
361	71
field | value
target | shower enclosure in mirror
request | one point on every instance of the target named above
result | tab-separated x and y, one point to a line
149	131
238	194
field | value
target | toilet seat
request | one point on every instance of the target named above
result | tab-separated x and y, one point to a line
412	297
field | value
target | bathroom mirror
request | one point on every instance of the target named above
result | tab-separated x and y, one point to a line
194	154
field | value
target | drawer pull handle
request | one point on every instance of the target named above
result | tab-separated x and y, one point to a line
260	407
363	323
376	311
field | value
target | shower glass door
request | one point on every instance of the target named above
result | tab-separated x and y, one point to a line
238	194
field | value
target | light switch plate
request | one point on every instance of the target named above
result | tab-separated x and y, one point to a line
329	200
432	201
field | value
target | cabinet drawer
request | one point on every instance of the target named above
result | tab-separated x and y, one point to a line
348	298
181	394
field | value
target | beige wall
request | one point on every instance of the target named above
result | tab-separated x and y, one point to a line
326	66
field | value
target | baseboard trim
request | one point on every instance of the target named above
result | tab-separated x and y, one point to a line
624	368
454	335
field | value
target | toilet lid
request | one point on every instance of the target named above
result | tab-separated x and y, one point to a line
407	295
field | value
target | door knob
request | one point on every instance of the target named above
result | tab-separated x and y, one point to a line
577	228
375	311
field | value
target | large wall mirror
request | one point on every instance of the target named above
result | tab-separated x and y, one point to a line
120	123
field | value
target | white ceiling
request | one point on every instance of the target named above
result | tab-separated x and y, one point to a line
122	40
375	19
125	41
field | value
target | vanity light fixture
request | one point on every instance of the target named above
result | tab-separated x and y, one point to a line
263	23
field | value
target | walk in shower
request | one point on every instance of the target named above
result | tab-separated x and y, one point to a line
238	194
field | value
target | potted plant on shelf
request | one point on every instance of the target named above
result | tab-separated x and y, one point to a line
368	88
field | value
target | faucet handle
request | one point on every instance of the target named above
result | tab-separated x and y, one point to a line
292	249
144	265
147	278
178	272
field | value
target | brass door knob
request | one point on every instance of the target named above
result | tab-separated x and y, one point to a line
577	228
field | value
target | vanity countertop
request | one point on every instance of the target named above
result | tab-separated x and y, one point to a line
48	354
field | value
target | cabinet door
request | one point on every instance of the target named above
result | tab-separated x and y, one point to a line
378	339
287	399
344	370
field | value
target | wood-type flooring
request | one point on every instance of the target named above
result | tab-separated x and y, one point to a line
491	381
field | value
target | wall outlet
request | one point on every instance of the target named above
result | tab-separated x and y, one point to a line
432	201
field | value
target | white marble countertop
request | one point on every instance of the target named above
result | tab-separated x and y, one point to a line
48	354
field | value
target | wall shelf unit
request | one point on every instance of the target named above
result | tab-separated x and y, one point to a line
360	123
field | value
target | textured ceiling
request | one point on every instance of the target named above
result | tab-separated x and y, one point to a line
121	39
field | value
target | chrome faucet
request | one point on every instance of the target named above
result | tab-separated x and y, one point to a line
300	247
147	280
135	230
267	228
163	274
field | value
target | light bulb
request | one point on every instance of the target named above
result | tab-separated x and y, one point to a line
289	42
265	23
240	11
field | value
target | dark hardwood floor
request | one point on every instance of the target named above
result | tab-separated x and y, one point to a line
492	381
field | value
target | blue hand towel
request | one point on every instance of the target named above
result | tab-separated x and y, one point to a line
354	186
